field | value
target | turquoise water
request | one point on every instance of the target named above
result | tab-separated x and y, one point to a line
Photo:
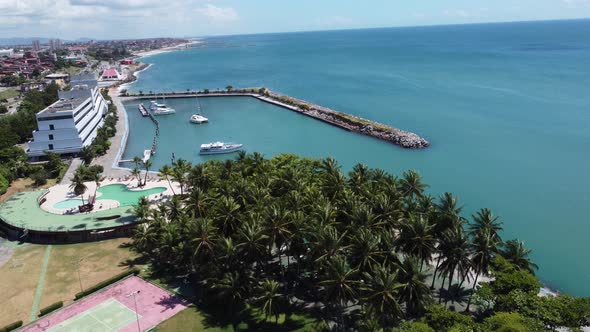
67	204
506	107
117	192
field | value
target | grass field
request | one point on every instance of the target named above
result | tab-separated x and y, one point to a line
193	319
101	260
9	93
24	184
19	278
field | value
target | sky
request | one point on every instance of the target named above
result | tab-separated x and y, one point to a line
119	19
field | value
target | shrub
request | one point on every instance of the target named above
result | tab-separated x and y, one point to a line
107	282
40	177
415	327
50	308
510	322
3	184
442	319
12	326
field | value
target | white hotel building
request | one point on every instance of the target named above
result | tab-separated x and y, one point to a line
71	123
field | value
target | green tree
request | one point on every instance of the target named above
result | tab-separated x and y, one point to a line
516	253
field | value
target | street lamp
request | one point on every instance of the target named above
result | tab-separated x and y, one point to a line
135	302
77	263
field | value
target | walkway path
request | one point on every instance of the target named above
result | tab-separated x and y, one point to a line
37	300
117	142
76	162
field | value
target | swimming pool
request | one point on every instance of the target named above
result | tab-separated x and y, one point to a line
116	192
68	204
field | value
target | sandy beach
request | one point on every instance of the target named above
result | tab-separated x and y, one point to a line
167	49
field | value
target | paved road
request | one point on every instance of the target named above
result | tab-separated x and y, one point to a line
109	158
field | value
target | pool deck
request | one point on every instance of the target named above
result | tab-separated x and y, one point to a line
22	210
62	192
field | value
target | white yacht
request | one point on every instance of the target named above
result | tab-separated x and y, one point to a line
220	148
160	109
198	118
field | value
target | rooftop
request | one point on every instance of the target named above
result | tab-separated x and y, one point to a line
64	105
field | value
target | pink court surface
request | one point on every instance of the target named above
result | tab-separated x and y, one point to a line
113	309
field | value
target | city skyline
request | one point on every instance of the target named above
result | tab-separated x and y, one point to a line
118	19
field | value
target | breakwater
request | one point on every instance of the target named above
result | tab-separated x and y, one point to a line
402	138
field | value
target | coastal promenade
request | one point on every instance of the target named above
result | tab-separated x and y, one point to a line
110	160
402	138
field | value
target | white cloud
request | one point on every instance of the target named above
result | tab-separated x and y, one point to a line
219	14
118	3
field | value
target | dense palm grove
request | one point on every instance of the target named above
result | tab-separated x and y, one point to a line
367	251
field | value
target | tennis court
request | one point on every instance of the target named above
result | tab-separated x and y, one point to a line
107	316
114	309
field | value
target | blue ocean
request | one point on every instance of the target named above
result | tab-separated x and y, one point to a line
505	106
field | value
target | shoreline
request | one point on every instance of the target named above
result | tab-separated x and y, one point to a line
179	47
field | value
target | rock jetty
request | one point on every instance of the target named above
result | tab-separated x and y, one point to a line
402	138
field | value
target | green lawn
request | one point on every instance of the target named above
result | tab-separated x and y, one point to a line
9	93
192	319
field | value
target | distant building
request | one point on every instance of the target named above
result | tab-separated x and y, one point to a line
36	45
39	86
59	79
127	62
71	123
110	74
55	44
6	52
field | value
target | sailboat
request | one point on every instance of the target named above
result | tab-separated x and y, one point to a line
198	118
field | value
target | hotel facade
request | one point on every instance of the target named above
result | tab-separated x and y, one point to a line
72	122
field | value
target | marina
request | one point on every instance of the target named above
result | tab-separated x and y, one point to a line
344	121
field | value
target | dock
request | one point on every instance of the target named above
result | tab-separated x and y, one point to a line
144	112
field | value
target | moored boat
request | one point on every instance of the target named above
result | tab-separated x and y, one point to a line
160	109
220	148
198	118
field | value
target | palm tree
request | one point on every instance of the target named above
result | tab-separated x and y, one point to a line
253	241
226	215
516	253
484	247
455	253
229	88
411	184
78	185
97	179
142	209
165	172
339	284
381	291
415	292
146	165
180	168
230	290
416	239
203	240
485	220
269	299
364	250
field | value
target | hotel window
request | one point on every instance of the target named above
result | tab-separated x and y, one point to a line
51	137
50	146
51	127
